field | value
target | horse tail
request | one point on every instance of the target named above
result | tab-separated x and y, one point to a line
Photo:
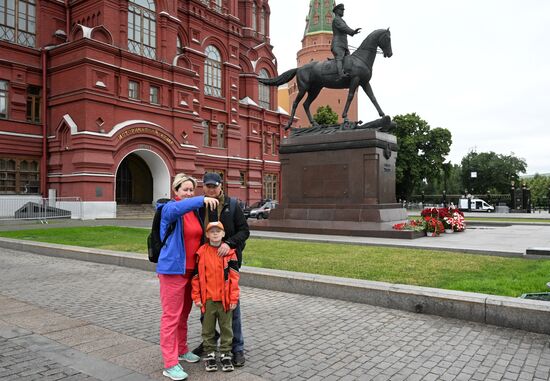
282	79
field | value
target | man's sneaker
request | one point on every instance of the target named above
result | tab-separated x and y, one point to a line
189	357
227	365
210	364
199	351
238	359
175	373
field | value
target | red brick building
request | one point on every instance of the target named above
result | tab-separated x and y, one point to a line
107	100
316	47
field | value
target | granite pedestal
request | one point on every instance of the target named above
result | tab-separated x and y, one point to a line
339	183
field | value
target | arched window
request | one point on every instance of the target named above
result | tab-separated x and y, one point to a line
254	15
213	72
142	27
262	21
264	98
18	22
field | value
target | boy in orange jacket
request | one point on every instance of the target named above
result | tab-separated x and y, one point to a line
216	291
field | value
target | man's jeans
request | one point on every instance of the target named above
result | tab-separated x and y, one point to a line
238	339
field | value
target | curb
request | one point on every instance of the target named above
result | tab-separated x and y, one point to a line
524	314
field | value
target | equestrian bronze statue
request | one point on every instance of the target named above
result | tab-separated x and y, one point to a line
314	76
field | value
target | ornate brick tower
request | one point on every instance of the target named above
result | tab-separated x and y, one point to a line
316	47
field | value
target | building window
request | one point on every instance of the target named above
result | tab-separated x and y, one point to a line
154	92
34	98
242	178
213	72
133	90
271	186
207	138
264	98
254	15
262	21
218	5
18	22
142	25
220	135
4	87
19	176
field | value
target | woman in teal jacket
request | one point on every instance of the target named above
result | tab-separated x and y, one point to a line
175	269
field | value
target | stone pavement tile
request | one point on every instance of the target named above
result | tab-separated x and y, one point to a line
12	306
41	321
109	348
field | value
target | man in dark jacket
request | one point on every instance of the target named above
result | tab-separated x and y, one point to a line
340	31
230	214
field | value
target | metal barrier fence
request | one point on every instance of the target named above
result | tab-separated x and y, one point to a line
38	208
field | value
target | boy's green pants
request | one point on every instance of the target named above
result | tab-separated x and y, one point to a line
214	311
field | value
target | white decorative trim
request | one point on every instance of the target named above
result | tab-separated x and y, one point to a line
281	110
170	16
101	84
189	146
87	174
254	63
21	135
237	158
248	101
232	65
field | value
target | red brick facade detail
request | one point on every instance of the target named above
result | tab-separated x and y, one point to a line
92	123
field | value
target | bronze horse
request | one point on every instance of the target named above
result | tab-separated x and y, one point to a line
311	78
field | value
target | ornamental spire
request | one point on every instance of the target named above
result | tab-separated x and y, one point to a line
319	18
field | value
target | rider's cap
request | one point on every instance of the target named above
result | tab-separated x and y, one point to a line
339	6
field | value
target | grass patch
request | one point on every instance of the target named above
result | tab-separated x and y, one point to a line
439	269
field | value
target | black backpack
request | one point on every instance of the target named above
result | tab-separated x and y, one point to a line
154	242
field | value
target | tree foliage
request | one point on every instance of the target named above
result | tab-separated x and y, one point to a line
449	180
540	189
493	172
421	154
325	116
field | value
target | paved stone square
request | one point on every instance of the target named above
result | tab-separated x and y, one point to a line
74	320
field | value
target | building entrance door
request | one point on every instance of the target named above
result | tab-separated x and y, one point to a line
134	182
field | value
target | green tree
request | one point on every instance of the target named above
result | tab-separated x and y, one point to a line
493	172
540	189
325	116
421	153
450	180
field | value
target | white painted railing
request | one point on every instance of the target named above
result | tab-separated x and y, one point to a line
38	208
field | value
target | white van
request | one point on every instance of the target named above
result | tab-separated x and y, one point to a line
477	205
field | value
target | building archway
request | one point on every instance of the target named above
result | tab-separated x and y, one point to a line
142	177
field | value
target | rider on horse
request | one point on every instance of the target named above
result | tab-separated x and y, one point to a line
340	31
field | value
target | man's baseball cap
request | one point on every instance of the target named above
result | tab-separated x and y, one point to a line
216	224
211	178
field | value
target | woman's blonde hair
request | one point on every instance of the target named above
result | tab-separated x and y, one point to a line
180	179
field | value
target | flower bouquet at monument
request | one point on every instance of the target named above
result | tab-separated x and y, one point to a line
416	225
433	226
456	220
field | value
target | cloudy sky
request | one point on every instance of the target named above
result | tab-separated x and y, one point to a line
478	68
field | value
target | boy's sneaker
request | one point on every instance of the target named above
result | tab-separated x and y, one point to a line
175	373
238	359
210	364
227	365
189	357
